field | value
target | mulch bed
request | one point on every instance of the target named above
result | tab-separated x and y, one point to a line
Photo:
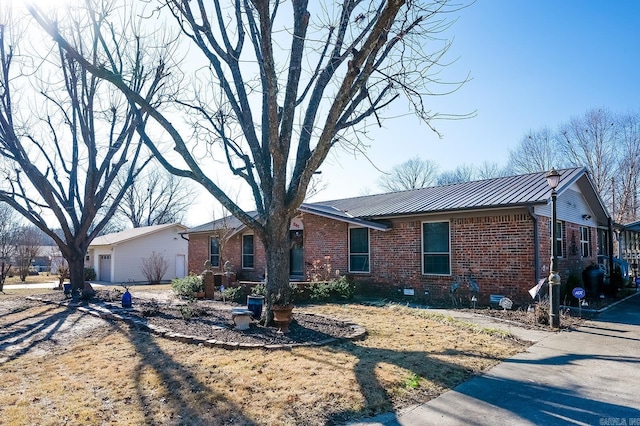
212	320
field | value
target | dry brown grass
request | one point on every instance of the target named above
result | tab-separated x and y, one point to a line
111	374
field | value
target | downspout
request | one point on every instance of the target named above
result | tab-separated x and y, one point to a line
610	244
536	245
182	235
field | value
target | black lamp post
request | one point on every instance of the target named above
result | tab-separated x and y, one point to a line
553	179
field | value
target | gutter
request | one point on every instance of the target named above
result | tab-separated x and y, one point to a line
536	245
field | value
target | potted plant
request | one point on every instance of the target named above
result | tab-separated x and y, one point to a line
282	309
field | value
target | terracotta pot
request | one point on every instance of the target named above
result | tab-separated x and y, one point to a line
282	315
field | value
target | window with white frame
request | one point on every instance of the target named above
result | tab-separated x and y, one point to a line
247	251
436	248
559	237
585	241
358	249
214	251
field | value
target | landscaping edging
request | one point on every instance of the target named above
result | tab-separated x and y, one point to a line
358	332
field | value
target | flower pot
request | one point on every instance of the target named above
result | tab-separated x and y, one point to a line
282	315
254	304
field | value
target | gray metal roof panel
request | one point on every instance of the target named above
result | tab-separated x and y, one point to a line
490	193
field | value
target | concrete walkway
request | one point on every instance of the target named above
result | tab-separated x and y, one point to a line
586	377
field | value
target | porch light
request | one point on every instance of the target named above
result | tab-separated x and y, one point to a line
553	178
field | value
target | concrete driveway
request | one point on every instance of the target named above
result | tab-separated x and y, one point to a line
586	377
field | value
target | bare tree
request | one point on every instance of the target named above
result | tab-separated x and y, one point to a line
27	249
589	140
157	197
9	228
624	203
537	151
66	135
278	88
412	174
490	170
607	144
462	173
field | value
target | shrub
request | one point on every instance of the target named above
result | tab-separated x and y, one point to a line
192	309
235	294
320	292
340	289
154	267
89	274
185	287
259	290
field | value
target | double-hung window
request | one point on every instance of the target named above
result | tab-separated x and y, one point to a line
359	250
585	241
436	248
247	251
214	252
559	238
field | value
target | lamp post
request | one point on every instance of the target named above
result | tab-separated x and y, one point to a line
553	179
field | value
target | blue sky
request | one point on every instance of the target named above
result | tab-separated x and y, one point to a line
532	64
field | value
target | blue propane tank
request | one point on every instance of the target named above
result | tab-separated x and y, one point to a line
126	298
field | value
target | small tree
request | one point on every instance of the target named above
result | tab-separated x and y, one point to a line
27	249
154	267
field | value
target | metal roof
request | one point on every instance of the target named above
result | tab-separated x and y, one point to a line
511	191
130	234
502	192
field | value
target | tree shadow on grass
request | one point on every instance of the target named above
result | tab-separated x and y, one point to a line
183	398
377	400
521	399
19	337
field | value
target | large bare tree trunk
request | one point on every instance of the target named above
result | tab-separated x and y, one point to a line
277	245
76	275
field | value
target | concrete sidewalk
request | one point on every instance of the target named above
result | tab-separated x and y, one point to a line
586	377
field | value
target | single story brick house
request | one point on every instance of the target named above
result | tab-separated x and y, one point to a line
419	242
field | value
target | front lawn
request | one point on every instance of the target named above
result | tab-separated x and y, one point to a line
61	366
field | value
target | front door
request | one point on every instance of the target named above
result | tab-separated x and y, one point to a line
296	258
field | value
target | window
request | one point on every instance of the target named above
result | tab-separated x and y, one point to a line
559	238
247	251
436	248
358	249
214	252
585	241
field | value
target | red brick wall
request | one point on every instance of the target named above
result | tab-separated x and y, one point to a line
571	261
231	251
498	249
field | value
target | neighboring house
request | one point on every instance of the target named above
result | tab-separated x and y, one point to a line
420	242
628	245
118	257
